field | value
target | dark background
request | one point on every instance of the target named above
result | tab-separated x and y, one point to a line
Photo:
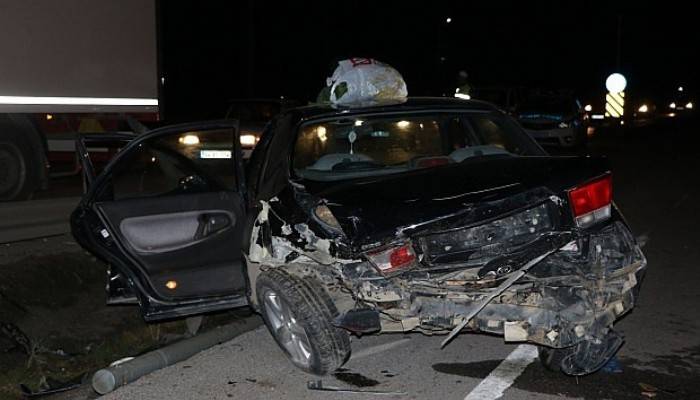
219	50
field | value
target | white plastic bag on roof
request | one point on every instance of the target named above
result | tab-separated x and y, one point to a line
362	80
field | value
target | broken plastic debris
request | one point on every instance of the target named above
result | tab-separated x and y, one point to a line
648	391
51	386
286	229
318	385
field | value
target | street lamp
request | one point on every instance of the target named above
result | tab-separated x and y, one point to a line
616	83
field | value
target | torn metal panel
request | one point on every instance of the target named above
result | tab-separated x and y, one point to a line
511	267
271	249
562	300
257	251
495	292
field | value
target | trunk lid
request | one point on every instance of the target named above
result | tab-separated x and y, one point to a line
443	198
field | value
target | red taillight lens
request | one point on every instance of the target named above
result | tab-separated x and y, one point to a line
401	256
591	196
394	258
591	202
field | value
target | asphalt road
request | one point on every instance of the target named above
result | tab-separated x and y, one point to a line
657	187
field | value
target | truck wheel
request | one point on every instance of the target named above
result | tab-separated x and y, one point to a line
17	179
299	314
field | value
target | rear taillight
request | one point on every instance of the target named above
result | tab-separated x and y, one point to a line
393	259
590	202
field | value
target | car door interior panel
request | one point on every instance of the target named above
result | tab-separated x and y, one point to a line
173	231
167	232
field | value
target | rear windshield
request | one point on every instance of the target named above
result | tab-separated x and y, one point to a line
347	148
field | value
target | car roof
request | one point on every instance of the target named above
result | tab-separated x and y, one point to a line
410	104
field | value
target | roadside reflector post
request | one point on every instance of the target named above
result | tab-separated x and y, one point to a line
615	98
615	105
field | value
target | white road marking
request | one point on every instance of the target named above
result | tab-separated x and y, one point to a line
505	374
378	349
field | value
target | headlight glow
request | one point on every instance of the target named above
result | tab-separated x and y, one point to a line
643	108
189	140
689	105
321	133
672	105
588	108
248	140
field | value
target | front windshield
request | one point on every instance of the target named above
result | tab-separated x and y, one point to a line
346	148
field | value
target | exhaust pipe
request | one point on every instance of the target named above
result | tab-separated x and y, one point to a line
108	379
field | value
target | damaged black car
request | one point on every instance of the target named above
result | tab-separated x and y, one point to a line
433	215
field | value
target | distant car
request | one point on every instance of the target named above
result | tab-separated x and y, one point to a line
253	115
503	97
644	111
433	215
553	120
680	104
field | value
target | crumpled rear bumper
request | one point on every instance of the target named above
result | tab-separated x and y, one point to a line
558	326
574	294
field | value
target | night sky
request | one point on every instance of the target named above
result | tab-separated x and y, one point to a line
215	51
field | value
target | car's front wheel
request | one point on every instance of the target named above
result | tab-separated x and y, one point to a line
299	314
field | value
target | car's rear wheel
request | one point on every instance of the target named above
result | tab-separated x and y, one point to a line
586	357
551	358
299	315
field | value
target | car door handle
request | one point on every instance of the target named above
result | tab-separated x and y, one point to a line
211	223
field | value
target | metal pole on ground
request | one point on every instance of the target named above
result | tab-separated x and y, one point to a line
108	379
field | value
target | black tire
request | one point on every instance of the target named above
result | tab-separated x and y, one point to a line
586	357
551	358
19	165
314	311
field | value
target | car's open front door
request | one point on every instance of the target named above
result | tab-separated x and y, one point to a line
168	215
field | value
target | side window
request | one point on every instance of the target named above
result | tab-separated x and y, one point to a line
489	131
190	162
499	131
